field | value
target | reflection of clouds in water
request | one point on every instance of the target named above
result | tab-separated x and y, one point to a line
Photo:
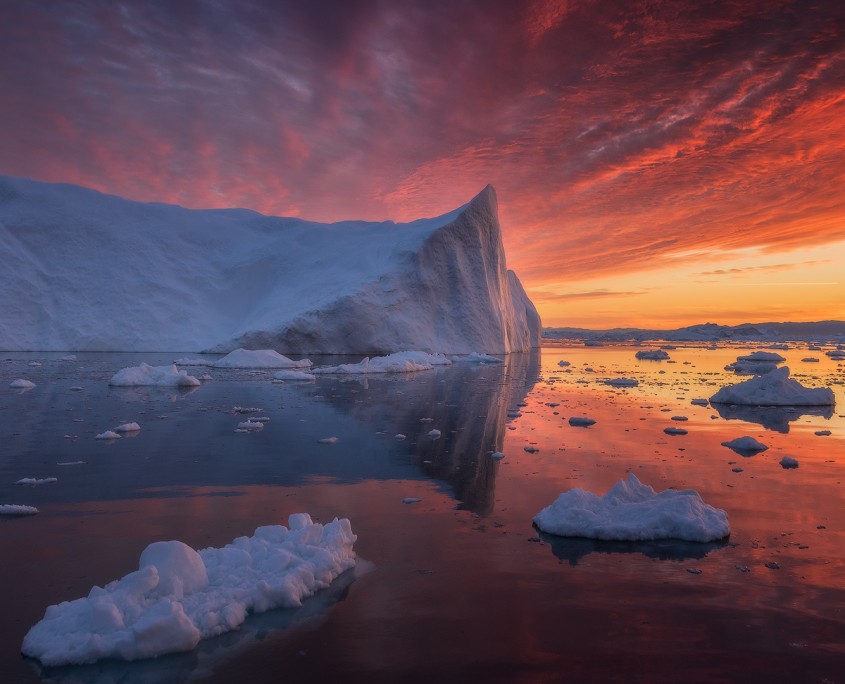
775	418
574	549
210	654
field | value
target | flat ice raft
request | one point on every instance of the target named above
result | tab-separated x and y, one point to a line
179	595
632	511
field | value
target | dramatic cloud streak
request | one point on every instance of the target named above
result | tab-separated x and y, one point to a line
620	136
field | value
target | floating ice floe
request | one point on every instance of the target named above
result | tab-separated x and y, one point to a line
622	382
756	363
250	426
128	427
675	431
581	421
810	359
411	500
258	358
108	434
497	455
434	434
328	440
398	362
35	481
475	357
294	376
699	402
774	389
21	383
563	364
632	511
155	376
652	354
17	509
745	446
179	595
788	462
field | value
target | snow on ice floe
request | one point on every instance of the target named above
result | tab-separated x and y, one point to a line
155	376
399	362
774	389
127	427
21	383
17	509
179	596
632	511
108	435
652	354
297	286
258	358
294	376
745	446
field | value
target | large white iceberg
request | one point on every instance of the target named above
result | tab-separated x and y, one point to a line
774	389
632	511
179	596
87	271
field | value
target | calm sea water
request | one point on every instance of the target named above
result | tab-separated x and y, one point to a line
458	587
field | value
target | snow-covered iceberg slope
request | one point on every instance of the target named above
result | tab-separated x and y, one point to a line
87	271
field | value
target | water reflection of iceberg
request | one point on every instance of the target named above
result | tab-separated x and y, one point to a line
775	418
468	404
574	549
210	654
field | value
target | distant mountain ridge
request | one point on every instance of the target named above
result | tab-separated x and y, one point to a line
711	332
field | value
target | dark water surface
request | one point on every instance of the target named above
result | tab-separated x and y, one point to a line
458	587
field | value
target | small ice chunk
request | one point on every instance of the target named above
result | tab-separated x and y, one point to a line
153	376
680	418
652	354
246	409
745	446
21	383
128	427
399	436
108	434
563	364
411	500
258	358
581	421
398	362
328	440
476	357
632	511
17	509
675	431
34	481
251	425
497	455
622	382
530	449
788	462
434	434
294	376
810	359
822	433
699	402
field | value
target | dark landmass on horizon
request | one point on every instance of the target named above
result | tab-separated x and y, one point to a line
706	332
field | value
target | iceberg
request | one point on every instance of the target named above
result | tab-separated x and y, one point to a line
179	596
219	280
632	511
774	389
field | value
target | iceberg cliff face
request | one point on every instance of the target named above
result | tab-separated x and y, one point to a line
87	271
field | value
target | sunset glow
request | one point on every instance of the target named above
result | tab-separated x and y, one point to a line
657	164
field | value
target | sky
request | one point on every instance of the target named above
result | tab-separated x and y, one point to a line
657	164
